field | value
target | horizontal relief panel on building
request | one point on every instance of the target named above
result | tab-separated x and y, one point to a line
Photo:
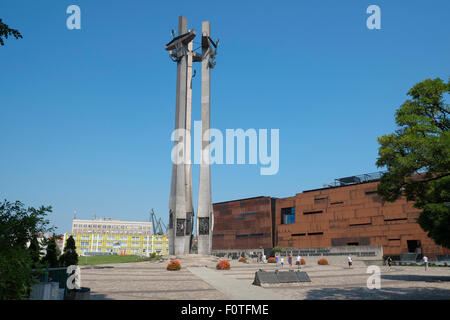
366	212
360	221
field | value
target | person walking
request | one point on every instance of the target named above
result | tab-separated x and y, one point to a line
282	262
290	259
350	262
389	263
276	259
299	261
425	262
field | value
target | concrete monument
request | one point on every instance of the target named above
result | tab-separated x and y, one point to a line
181	212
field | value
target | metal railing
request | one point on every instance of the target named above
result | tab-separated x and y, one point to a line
53	275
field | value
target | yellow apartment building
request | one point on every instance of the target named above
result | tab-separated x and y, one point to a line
119	243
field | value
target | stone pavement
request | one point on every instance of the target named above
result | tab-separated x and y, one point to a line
233	288
198	280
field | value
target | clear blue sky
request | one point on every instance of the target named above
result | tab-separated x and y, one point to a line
86	115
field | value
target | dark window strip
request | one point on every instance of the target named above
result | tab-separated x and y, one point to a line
398	219
312	212
247	213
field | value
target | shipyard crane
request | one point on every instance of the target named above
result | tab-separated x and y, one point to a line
157	224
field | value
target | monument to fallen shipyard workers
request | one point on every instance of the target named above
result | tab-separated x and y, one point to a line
181	212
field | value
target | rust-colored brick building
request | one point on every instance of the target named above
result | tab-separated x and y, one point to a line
347	213
244	224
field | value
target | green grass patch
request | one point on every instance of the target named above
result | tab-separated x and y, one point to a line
93	260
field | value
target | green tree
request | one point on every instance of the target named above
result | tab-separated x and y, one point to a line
51	257
5	31
35	251
277	249
19	226
70	256
417	157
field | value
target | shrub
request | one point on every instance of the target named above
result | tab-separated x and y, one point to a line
322	261
51	258
242	259
70	256
302	261
19	226
223	265
174	265
271	260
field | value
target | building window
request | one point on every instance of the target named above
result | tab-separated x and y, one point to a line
313	212
288	215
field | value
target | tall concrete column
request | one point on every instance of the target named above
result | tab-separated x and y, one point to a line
188	182
177	202
205	215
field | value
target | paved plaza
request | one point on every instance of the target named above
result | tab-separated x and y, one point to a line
199	280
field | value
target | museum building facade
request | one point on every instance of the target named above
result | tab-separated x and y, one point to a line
348	212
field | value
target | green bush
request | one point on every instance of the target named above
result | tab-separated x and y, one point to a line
16	277
51	257
19	227
70	255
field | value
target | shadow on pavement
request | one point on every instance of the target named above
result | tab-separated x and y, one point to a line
99	297
379	294
407	277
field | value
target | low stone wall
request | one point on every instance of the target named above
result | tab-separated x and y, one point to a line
237	253
361	255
